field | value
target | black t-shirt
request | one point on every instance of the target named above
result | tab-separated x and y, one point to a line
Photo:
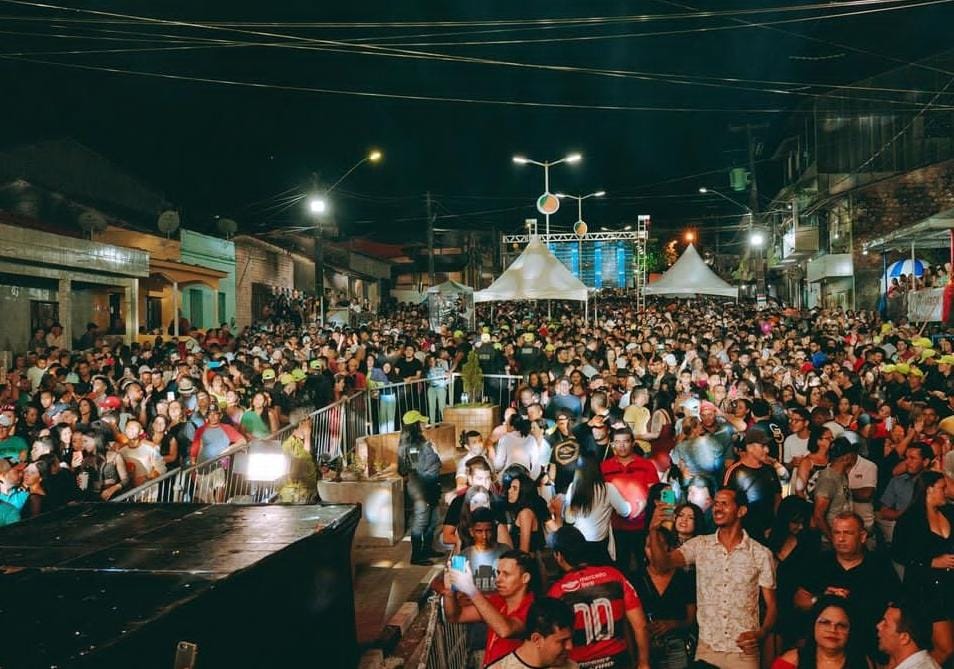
870	585
760	485
672	602
407	368
563	457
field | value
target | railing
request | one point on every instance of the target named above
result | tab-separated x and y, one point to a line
254	472
445	644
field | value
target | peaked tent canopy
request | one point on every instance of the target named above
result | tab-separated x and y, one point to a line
535	275
691	276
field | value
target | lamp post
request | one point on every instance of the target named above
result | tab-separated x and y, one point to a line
546	165
757	242
317	206
580	227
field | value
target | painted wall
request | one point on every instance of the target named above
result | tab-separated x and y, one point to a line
214	253
15	306
256	263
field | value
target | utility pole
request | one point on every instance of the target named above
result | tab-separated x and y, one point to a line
760	287
430	239
318	255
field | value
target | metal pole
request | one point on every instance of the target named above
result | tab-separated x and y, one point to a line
319	258
175	309
546	189
884	265
430	241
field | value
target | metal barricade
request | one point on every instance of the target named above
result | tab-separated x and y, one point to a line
444	644
385	405
497	389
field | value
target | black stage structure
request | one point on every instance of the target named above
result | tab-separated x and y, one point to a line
119	585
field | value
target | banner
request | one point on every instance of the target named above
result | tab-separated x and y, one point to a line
926	304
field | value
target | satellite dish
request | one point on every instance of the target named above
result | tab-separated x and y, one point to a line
168	221
227	227
91	221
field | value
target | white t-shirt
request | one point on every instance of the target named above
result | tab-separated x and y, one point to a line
863	475
794	447
595	526
515	449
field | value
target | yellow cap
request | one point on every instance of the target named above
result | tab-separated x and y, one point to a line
916	372
887	369
922	342
928	353
298	374
886	328
903	368
946	360
528	336
413	416
286	378
268	374
550	347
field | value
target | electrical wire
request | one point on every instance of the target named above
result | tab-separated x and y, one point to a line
379	50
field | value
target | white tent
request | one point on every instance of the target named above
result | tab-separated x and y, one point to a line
690	276
535	275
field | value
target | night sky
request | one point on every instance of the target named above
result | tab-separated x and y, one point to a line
213	149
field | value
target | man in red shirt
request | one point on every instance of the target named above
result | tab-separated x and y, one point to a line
601	598
633	476
504	612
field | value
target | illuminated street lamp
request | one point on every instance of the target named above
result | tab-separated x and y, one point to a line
318	205
580	226
547	203
690	237
713	191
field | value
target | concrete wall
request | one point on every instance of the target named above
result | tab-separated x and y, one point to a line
214	253
256	263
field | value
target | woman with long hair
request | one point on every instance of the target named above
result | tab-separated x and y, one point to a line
924	544
33	477
819	443
88	412
518	447
831	641
795	546
688	522
845	416
526	512
589	506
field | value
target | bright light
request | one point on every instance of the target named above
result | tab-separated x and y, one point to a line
561	195
317	205
757	239
573	158
628	228
603	227
690	237
374	156
599	193
520	160
267	466
703	190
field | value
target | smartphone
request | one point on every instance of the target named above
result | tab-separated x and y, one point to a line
459	563
170	396
668	496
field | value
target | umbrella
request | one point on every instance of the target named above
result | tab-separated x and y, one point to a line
906	266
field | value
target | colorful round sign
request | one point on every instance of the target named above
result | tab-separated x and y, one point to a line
580	228
548	204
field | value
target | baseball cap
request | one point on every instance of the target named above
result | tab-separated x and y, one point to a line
903	368
298	374
112	402
916	372
922	342
888	369
459	334
284	379
946	360
928	353
755	435
315	364
268	375
413	416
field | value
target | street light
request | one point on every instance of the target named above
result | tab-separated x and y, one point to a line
546	165
713	191
580	227
690	237
756	239
318	205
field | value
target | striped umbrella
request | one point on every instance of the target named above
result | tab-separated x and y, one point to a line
906	266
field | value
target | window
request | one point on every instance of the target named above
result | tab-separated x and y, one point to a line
221	315
153	313
261	298
196	316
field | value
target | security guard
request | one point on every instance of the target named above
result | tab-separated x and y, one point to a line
530	357
492	363
420	464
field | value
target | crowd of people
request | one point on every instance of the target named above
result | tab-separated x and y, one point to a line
937	276
699	481
702	483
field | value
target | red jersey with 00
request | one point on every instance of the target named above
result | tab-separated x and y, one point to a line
497	647
600	597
